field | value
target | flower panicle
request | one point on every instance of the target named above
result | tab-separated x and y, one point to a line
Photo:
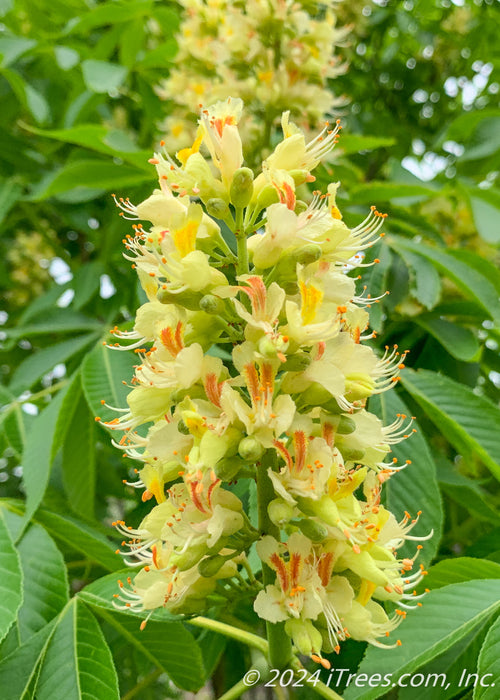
254	366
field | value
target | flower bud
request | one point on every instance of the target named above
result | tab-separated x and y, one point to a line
189	558
308	254
313	529
346	425
305	636
359	386
280	513
209	566
212	304
352	455
227	468
250	449
241	190
297	362
217	208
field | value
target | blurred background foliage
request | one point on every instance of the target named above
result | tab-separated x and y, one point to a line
80	117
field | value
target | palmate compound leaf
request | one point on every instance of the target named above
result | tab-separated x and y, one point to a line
475	284
415	488
45	581
18	670
446	616
103	373
78	664
38	455
471	423
164	641
461	569
489	663
76	534
10	580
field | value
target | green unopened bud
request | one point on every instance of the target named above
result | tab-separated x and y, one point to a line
300	206
346	425
313	530
280	512
212	304
210	566
297	362
241	190
299	176
250	449
190	300
323	508
308	254
267	196
305	636
359	386
228	468
352	455
189	558
217	208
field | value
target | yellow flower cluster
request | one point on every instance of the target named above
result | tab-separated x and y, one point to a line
270	53
252	366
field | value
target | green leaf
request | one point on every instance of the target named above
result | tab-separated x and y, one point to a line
427	287
11	594
104	372
18	669
38	455
86	283
89	175
415	488
460	342
461	569
30	370
444	674
30	98
55	321
168	645
66	57
353	143
468	279
10	193
78	461
96	137
114	13
70	401
45	581
470	423
485	205
387	192
11	48
467	492
446	616
12	421
101	76
489	663
486	547
78	664
82	537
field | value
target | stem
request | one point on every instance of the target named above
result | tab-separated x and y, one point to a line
251	640
150	678
241	242
44	392
280	646
235	692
